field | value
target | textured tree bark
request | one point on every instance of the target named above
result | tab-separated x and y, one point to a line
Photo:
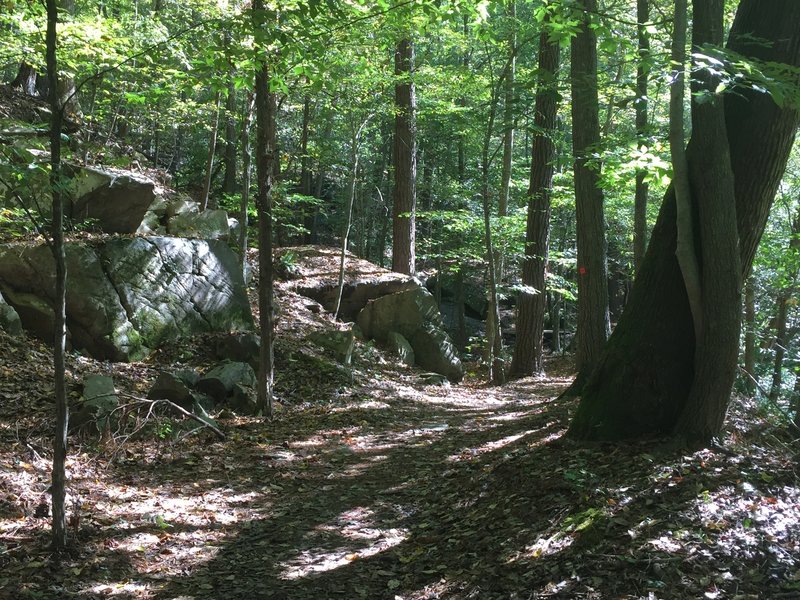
640	195
717	348
593	321
532	301
265	168
405	162
647	369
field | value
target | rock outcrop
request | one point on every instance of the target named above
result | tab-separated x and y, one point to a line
126	297
313	272
9	319
117	201
414	315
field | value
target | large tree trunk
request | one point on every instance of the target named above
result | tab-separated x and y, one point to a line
640	196
593	320
713	193
265	168
647	369
405	162
532	302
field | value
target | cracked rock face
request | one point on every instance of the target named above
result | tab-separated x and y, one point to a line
126	297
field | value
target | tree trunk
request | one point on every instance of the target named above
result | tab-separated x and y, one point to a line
686	252
640	196
750	335
532	301
212	145
405	166
25	81
265	158
593	319
642	382
247	157
229	183
796	402
354	159
58	487
782	310
462	103
508	116
461	338
783	307
721	273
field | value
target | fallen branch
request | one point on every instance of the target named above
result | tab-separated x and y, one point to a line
180	409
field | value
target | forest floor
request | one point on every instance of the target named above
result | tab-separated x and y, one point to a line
374	485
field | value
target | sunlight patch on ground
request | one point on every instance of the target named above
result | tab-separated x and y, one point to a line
514	416
126	590
547	439
215	506
357	525
369	405
469	453
543	547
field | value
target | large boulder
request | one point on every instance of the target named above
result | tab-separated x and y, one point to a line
400	346
126	297
95	410
206	225
9	318
434	351
414	315
313	271
404	312
118	201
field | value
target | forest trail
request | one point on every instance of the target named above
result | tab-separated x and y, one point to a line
399	490
368	483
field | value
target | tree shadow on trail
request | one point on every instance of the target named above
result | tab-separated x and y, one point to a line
480	505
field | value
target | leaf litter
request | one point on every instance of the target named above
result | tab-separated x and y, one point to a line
372	484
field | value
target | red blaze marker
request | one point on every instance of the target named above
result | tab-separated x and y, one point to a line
583	270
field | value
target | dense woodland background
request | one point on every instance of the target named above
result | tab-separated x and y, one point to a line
515	155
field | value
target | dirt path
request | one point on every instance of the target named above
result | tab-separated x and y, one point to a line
359	501
396	490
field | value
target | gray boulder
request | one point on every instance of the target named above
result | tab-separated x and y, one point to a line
125	297
404	312
313	271
340	343
206	225
435	352
222	381
117	201
181	205
399	345
9	319
414	315
240	346
97	404
175	387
